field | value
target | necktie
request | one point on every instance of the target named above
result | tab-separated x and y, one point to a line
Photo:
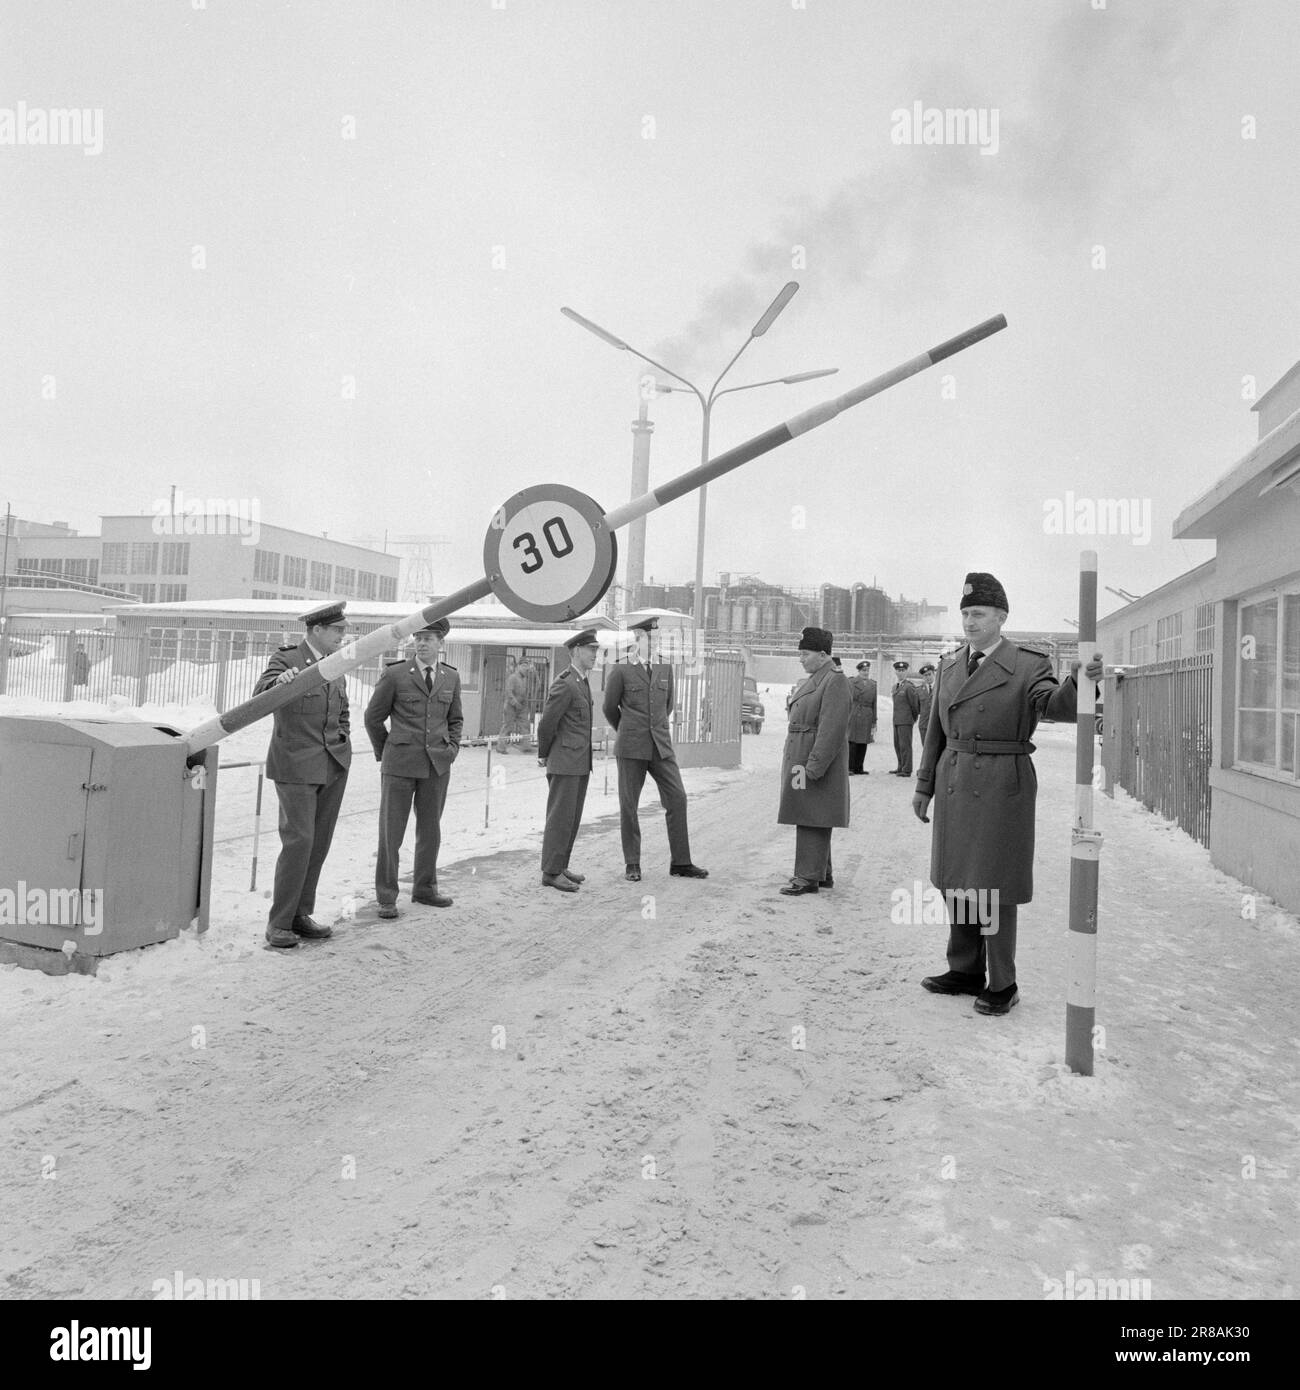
973	664
428	679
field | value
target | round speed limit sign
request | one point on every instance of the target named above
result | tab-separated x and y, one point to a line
549	554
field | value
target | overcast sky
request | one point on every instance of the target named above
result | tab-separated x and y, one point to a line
403	193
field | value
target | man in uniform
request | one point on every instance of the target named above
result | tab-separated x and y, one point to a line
988	699
638	701
308	761
862	718
564	750
516	708
907	705
420	699
926	694
815	763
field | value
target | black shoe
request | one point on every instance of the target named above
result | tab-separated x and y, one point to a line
558	881
309	930
572	877
687	871
794	890
434	899
827	882
279	937
997	1001
953	982
633	873
387	912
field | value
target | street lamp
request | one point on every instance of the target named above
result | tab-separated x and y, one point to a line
765	322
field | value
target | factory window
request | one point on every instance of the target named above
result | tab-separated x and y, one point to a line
76	569
365	584
196	644
321	576
175	557
266	565
1268	685
1204	627
115	557
1169	637
144	592
468	661
387	588
345	581
231	646
27	566
1137	646
144	557
263	593
172	593
295	571
51	567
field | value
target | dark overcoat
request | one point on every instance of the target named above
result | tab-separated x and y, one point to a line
422	737
815	761
310	731
862	717
638	703
976	765
564	730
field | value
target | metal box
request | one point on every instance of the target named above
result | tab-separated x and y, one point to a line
105	835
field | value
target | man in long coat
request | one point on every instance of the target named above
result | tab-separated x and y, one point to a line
926	693
414	721
308	761
907	705
638	703
815	763
862	718
564	750
976	766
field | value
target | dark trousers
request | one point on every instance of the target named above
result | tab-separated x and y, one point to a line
672	796
564	798
396	795
812	853
972	953
857	754
903	748
308	811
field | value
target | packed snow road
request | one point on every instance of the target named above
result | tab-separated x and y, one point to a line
667	1089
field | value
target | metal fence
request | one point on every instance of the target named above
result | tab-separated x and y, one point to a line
1157	743
140	670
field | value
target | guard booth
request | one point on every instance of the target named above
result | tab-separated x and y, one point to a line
105	839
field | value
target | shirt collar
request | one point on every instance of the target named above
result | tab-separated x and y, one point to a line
317	656
988	651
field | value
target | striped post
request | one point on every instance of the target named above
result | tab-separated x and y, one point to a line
383	639
1085	843
257	824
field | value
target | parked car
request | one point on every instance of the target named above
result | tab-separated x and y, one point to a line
752	711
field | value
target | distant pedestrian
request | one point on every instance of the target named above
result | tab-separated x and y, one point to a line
926	694
516	712
80	666
862	718
907	705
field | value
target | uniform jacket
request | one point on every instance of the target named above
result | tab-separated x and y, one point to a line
983	808
564	730
311	730
926	696
907	703
638	702
817	739
862	717
422	737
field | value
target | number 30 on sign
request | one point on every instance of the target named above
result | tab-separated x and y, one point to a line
549	554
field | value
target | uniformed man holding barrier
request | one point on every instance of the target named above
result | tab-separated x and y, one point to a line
308	761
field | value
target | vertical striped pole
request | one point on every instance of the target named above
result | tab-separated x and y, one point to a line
1085	843
257	825
487	790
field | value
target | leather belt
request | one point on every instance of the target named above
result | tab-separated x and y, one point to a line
988	745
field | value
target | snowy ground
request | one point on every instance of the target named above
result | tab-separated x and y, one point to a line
602	1095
